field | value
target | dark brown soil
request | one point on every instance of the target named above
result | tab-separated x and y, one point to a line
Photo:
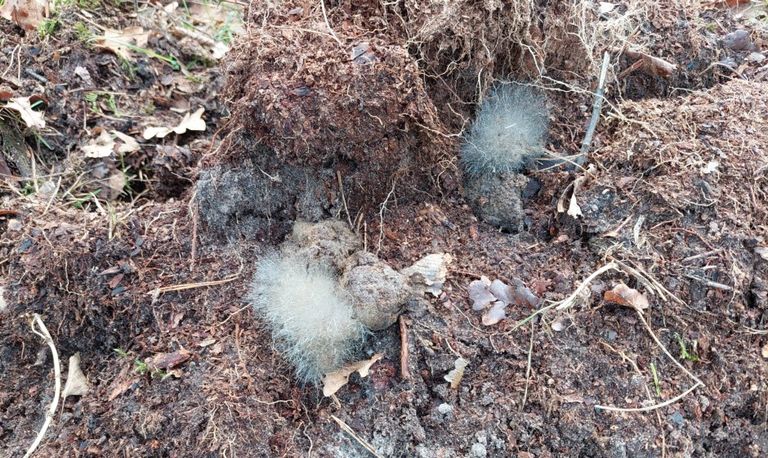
676	186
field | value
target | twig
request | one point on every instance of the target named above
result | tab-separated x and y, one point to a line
710	283
647	391
528	370
664	349
352	433
382	208
344	200
192	209
46	336
597	107
405	373
570	300
155	293
650	408
328	24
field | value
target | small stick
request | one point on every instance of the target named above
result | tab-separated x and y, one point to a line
570	300
528	369
653	407
354	435
405	373
46	336
344	200
155	293
328	24
666	352
710	283
597	107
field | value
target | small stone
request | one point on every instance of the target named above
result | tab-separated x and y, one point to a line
677	419
478	451
14	225
756	57
738	40
445	409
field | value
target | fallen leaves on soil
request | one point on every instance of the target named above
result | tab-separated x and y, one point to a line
628	297
77	383
122	42
333	381
31	117
191	121
110	142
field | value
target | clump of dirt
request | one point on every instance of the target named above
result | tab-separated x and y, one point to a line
358	106
261	197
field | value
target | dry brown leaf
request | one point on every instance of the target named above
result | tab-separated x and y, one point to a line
31	117
121	384
207	342
624	295
28	14
164	361
765	351
648	64
104	145
121	42
191	121
77	384
333	381
455	375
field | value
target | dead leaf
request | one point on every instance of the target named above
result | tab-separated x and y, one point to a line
171	360
502	291
480	294
765	351
121	384
77	384
105	144
648	64
624	295
495	314
31	117
121	42
207	342
125	143
336	379
191	121
28	14
457	373
429	273
524	296
573	207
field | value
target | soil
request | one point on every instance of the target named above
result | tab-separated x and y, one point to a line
141	261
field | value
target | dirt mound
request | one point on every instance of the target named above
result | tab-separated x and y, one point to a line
686	181
349	98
